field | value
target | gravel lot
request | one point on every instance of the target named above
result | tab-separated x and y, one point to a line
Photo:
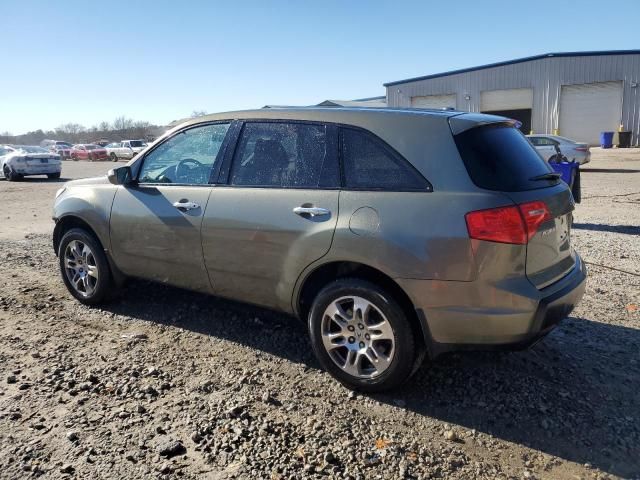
167	383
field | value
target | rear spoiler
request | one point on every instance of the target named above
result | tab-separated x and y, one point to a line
466	121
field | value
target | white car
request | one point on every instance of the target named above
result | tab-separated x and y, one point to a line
20	161
574	151
125	149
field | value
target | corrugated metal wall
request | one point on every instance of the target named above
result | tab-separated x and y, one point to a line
546	76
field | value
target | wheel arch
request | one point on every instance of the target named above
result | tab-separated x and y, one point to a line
68	222
323	274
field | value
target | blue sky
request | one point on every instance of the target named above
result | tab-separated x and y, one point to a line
88	61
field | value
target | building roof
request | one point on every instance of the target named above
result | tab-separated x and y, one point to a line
517	60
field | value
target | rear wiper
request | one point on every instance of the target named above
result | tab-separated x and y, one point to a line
547	176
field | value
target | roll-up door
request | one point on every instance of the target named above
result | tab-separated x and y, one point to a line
588	109
434	101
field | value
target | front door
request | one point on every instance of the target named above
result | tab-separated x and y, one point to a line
277	213
156	221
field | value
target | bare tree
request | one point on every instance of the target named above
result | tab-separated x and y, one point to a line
104	126
198	113
122	123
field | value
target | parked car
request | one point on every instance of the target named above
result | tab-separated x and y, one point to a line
63	150
20	161
52	143
118	150
136	145
88	152
392	234
574	151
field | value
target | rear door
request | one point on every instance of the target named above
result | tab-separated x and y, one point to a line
499	158
275	212
156	221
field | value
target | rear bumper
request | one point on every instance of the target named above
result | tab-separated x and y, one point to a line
511	317
40	170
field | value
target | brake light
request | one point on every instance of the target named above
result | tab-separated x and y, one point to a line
581	149
534	214
503	225
515	224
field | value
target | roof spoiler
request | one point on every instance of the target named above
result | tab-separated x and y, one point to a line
466	121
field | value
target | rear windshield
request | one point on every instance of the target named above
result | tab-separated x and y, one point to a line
499	157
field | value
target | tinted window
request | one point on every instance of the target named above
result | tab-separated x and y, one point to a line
186	158
286	155
499	157
542	141
370	165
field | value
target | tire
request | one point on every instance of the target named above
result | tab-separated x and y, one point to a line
576	188
88	289
353	336
114	157
53	176
90	157
10	175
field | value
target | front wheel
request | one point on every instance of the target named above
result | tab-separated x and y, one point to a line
114	157
53	176
361	336
84	267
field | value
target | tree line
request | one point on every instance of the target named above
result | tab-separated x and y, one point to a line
122	128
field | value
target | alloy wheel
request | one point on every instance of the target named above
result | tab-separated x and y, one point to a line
358	337
81	268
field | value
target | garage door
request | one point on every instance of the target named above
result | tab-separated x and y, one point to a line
511	99
588	109
434	101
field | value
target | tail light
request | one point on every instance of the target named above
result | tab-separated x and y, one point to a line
581	149
515	224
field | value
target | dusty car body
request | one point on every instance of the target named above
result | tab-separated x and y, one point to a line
17	162
392	233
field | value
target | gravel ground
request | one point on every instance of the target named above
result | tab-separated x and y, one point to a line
164	383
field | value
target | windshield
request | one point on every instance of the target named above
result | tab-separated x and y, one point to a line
30	149
63	144
91	147
137	143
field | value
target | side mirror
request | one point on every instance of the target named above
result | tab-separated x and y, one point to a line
120	175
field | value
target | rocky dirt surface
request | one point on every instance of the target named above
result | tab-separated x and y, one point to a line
164	383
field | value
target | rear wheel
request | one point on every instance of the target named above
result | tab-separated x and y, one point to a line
84	267
90	158
10	175
53	175
114	157
361	335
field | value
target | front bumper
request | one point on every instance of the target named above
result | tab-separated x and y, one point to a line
463	316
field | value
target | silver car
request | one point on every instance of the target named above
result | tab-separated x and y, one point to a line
393	234
19	161
574	151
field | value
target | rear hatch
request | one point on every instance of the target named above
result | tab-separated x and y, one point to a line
499	158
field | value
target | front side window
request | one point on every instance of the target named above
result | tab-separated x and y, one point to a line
186	158
285	155
368	165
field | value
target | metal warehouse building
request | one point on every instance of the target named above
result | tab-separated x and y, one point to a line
576	95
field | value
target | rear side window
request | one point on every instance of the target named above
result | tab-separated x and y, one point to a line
284	155
499	157
371	165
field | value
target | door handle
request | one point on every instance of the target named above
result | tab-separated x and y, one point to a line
313	211
186	205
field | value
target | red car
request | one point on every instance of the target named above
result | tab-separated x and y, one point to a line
88	152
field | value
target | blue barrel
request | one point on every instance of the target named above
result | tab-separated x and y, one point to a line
606	139
565	169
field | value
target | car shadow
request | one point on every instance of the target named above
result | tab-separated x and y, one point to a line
42	180
575	395
603	227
